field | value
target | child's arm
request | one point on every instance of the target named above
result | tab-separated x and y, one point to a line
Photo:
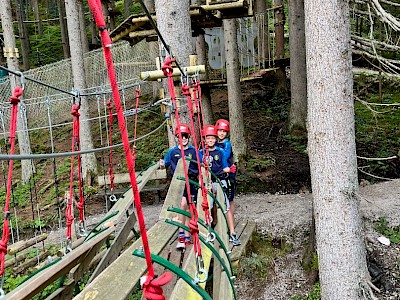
167	159
227	148
225	166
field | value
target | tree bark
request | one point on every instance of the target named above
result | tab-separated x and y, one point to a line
238	141
82	27
154	51
332	152
89	164
27	166
127	6
38	18
63	28
205	90
280	47
298	73
23	35
173	21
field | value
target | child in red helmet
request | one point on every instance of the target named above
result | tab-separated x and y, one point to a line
171	160
222	128
219	166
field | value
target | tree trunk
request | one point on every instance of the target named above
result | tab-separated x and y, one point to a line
154	51
127	7
173	21
27	166
89	165
63	28
38	18
239	144
23	35
82	27
332	152
298	74
205	90
280	47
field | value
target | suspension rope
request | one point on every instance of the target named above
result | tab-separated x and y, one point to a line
151	288
14	99
110	161
135	126
193	224
204	204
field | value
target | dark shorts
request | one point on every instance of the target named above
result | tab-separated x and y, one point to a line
193	189
231	186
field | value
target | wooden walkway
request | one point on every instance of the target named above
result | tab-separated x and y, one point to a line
117	271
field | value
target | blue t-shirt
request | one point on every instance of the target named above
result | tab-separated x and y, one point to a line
173	156
217	160
227	146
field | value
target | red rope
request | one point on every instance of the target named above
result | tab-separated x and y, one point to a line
204	203
193	224
95	7
14	99
110	124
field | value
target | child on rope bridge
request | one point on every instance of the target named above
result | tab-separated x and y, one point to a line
218	162
171	160
222	127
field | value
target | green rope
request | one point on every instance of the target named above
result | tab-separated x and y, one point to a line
178	271
202	223
40	270
211	248
95	231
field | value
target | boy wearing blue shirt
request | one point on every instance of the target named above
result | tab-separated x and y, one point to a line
171	160
217	159
222	128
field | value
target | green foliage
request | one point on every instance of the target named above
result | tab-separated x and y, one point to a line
297	142
259	261
315	294
392	233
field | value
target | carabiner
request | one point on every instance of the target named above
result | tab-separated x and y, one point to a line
82	229
210	237
68	247
112	198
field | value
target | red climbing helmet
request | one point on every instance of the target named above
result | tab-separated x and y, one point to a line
183	128
209	130
222	125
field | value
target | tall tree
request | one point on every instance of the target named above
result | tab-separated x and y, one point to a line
332	152
235	97
173	21
38	17
201	52
23	34
89	164
280	46
298	73
63	28
82	26
154	50
27	166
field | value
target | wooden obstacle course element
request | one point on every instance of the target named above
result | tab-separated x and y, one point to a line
124	177
30	262
130	266
154	75
22	245
230	8
42	279
244	230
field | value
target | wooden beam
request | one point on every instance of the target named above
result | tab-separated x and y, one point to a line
38	282
154	75
115	249
124	177
26	244
118	281
30	262
142	33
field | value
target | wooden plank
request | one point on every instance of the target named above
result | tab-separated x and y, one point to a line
225	289
30	262
124	177
14	260
244	237
120	278
67	291
154	75
115	249
174	194
182	290
26	244
127	200
38	282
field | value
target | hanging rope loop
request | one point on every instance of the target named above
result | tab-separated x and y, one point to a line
152	288
167	66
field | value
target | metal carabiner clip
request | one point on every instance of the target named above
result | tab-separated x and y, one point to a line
112	198
82	229
210	237
68	247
